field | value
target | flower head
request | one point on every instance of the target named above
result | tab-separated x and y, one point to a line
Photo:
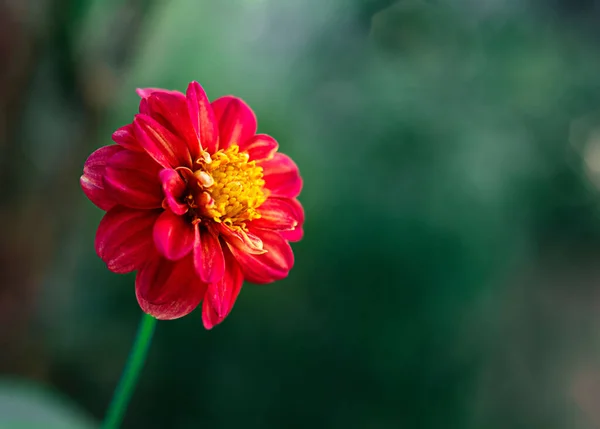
196	202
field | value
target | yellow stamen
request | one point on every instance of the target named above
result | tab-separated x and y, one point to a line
236	187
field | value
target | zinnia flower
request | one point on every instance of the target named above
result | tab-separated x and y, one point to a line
196	202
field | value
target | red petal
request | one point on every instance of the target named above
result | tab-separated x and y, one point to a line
124	238
294	235
144	109
132	180
168	289
261	146
221	295
237	122
282	177
297	233
277	214
208	256
171	111
125	137
298	209
160	143
147	92
202	117
92	181
270	266
244	241
173	188
173	236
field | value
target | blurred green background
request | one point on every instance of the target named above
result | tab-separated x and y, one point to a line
449	276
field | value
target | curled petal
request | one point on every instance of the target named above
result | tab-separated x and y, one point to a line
132	180
237	122
170	110
92	181
208	256
168	289
173	236
272	265
125	137
261	146
186	173
160	143
173	188
221	295
124	238
202	117
277	214
240	239
282	177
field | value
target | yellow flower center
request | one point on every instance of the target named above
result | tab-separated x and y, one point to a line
232	187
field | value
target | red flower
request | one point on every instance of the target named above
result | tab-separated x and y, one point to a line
196	202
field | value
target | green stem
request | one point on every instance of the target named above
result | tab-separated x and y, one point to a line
130	375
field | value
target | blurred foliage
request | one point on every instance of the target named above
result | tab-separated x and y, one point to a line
448	277
26	406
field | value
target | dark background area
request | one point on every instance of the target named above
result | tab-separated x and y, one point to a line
449	276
